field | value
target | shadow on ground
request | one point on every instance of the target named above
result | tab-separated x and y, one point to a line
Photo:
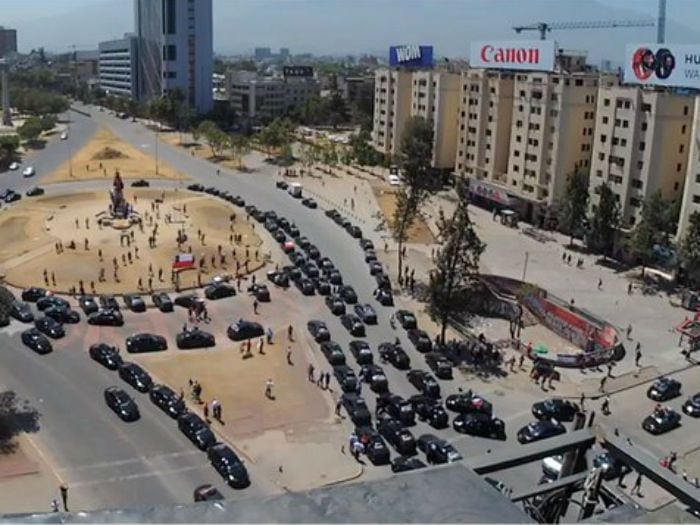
16	416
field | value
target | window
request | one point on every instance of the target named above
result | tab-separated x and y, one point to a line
637	183
681	147
606	102
169	74
685	111
601	156
625	123
683	128
642	146
170	52
640	164
644	126
646	107
635	202
579	82
697	178
696	199
605	120
676	185
678	167
599	173
169	17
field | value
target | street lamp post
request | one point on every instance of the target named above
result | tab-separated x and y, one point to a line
70	152
157	131
527	257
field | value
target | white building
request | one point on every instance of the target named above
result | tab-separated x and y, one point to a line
117	69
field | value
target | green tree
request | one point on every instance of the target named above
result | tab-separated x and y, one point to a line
216	139
30	129
362	151
690	249
415	156
337	110
605	222
574	204
240	145
276	135
8	147
456	263
654	229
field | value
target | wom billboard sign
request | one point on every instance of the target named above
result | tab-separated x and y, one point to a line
535	55
663	65
411	56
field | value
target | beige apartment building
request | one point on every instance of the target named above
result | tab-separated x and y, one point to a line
691	192
392	108
642	139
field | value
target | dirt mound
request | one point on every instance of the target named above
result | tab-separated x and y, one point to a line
108	153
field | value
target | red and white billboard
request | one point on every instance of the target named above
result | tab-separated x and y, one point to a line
528	55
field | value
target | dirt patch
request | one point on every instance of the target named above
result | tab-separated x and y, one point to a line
104	154
419	233
202	151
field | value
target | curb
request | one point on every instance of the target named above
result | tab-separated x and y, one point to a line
352	477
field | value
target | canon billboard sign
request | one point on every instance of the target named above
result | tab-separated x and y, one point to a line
530	55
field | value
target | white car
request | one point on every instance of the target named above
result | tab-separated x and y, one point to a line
394	180
64	135
29	171
14	166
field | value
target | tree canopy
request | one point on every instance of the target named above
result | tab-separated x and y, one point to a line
604	222
655	228
690	249
574	204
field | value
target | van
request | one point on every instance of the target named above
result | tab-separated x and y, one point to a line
295	190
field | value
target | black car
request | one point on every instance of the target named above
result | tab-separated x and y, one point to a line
384	297
194	338
396	407
559	409
480	424
309	203
420	340
219	291
406	319
141	183
335	278
35	191
21	311
370	256
383	282
122	404
661	421
195	187
538	430
187	300
429	410
228	465
88	304
260	292
335	304
394	354
104	317
366	244
347	293
12	196
196	430
33	294
424	382
241	330
294	231
361	351
397	436
135	376
437	450
375	447
664	389
353	325
167	400
108	302
49	301
406	464
333	353
162	301
306	286
439	364
318	330
37	341
279	236
62	315
356	408
323	287
207	492
366	313
467	402
107	356
314	253
282	185
280	279
135	303
355	231
50	327
310	270
375	268
346	378
376	378
145	342
692	406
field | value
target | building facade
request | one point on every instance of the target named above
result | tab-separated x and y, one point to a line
642	141
175	50
392	108
118	67
264	98
8	41
691	191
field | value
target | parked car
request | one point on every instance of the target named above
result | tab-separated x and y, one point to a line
319	331
394	354
306	286
309	203
29	171
135	376
207	492
467	402
194	338
145	342
420	339
353	325
33	294
479	424
375	376
424	382
140	183
323	287
49	301
439	364
167	400
108	356
555	408
347	293
396	407
366	313
121	404
346	378
104	317
187	300
538	430
50	327
430	410
397	436
335	304
384	297
356	408
14	166
62	315
333	353
109	302
35	191
375	447
406	464
88	304
661	421
219	291
437	450
260	292
196	430
134	303
162	301
406	319
36	341
280	279
664	389
21	311
692	405
362	352
241	330
228	465
375	268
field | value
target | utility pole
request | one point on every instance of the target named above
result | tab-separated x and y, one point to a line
527	257
70	151
157	137
661	23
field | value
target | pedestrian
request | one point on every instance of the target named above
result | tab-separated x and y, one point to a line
521	361
605	407
290	333
511	363
581	402
327	380
319	382
289	356
216	409
610	366
54	505
338	405
64	496
53	278
269	334
629	331
629	289
261	345
672	459
268	389
603	380
637	356
637	487
206	412
600	284
621	478
310	373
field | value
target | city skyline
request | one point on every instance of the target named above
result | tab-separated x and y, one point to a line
365	26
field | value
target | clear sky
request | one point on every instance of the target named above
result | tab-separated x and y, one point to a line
356	26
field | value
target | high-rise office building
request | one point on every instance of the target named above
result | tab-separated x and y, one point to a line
691	190
175	49
8	41
118	66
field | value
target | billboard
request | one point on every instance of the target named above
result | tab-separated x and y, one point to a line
298	71
411	56
529	55
663	65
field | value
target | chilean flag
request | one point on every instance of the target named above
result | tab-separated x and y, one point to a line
183	260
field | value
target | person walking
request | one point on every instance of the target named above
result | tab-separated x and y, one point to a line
605	407
255	306
603	381
290	333
289	356
637	487
310	373
600	283
216	409
269	334
268	389
327	380
338	406
637	356
205	408
581	402
64	496
261	346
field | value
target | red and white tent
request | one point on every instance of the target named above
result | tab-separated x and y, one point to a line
183	260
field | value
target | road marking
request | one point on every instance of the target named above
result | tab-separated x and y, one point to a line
45	459
139	459
131	477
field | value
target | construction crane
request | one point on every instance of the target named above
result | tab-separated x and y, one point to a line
545	27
